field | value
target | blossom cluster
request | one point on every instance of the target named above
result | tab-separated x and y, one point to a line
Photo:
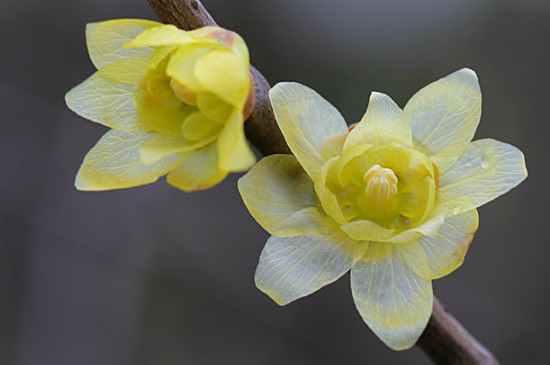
175	101
392	200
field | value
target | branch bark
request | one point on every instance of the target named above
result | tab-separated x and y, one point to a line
444	340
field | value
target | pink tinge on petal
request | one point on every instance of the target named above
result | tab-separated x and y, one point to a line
224	36
472	234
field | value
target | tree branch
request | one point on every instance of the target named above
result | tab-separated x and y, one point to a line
447	342
184	14
444	340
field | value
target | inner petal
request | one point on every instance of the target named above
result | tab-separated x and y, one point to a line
199	127
157	103
392	186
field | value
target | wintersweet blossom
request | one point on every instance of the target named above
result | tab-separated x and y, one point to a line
393	200
176	102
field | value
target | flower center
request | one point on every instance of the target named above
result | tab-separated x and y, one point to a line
184	94
381	183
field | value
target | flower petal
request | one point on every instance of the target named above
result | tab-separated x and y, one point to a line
198	126
182	64
446	112
215	107
307	121
162	114
366	230
114	163
381	124
333	146
106	97
327	198
128	71
234	151
394	302
428	227
226	74
199	170
293	267
106	39
473	174
308	222
277	189
161	35
445	251
228	38
160	145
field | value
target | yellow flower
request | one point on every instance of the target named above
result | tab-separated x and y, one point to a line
176	102
393	200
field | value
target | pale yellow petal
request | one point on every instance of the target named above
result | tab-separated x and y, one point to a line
161	145
106	39
333	147
349	164
164	112
159	56
106	97
276	189
381	124
114	163
366	230
198	126
473	174
428	227
226	37
394	302
307	121
414	258
445	251
163	35
311	221
182	64
235	153
214	107
446	112
293	267
238	45
328	199
226	74
199	170
128	71
206	32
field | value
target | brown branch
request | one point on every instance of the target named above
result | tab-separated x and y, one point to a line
184	14
444	340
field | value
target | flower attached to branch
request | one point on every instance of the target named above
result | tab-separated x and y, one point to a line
393	200
176	102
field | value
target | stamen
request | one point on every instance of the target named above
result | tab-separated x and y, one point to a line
381	183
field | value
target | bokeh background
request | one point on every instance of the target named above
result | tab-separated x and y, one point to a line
152	275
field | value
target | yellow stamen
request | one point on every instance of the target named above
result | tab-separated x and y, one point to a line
381	183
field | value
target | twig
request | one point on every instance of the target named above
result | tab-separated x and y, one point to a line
444	340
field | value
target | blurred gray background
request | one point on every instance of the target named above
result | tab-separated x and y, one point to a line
152	275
